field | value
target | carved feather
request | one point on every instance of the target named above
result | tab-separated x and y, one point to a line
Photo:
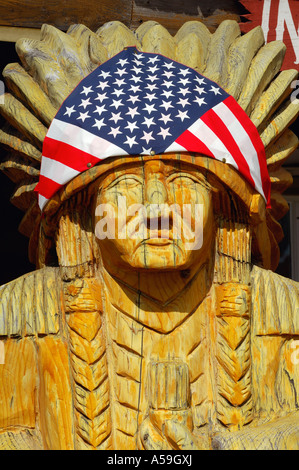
241	64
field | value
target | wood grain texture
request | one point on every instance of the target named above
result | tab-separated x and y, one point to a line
27	123
94	14
223	56
192	44
265	65
280	150
18	169
55	395
89	365
23	195
282	434
16	13
221	40
12	34
44	68
275	125
14	144
27	439
27	90
127	346
242	51
30	306
173	21
18	386
273	97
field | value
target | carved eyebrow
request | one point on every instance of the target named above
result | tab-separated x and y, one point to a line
198	178
119	178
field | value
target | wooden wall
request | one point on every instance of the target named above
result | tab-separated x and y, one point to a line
94	13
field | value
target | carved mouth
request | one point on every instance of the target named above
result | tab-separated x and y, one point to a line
158	241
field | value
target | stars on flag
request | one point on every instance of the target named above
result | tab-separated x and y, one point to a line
153	60
115	131
103	85
144	103
104	75
100	109
149	122
164	132
166	105
149	108
200	101
83	116
85	103
86	90
99	124
131	141
147	136
182	115
215	90
132	112
123	62
70	111
101	97
165	118
116	117
140	100
132	126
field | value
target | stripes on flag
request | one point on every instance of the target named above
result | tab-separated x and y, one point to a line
144	103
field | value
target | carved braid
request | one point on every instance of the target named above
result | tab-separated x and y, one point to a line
77	259
234	401
89	364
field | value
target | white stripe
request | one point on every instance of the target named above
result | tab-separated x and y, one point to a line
243	141
214	144
83	140
57	171
42	201
174	147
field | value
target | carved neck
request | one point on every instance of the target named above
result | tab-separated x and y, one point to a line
164	287
160	302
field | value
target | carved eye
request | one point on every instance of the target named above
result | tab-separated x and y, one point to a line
183	179
125	182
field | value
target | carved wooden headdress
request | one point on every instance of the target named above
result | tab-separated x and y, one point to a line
243	65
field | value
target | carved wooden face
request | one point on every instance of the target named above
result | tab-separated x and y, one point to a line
154	215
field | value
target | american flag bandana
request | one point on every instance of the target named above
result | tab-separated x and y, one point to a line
141	103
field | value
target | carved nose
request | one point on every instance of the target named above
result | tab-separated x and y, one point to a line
156	192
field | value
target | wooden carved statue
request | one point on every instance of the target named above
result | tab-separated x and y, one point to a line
149	343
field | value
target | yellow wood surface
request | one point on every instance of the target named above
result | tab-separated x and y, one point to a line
150	346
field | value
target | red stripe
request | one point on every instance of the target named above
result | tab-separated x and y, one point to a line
47	187
191	143
254	136
213	121
68	155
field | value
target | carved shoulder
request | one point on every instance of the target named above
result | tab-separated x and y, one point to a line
31	305
275	303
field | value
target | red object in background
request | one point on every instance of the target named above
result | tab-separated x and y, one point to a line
279	20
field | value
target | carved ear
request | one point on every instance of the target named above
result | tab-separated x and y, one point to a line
226	203
70	236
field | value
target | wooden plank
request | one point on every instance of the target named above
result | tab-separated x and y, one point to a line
191	7
173	21
12	34
92	13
